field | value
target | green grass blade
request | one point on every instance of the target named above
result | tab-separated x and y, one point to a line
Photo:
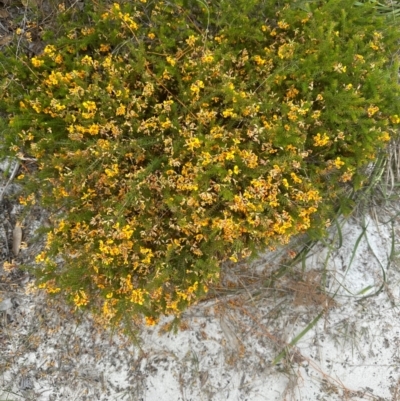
297	338
364	290
363	232
353	254
339	234
390	258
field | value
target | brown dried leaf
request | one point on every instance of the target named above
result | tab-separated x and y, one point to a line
29	3
4	13
229	334
17	239
6	40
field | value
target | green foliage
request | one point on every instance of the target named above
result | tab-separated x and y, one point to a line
171	137
391	10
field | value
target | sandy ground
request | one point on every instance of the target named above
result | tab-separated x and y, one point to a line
329	329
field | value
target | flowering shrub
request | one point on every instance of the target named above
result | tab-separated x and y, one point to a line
170	139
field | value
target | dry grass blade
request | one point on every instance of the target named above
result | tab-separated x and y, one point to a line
17	239
392	173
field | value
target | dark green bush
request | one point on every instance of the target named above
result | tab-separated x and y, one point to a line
173	136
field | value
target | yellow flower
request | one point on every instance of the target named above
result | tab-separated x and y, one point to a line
395	119
53	79
338	163
87	60
40	257
107	64
193	143
93	129
89	106
372	110
36	62
205	158
286	51
58	59
113	171
195	88
191	40
166	75
295	178
258	60
316	114
229	113
283	25
55	104
166	124
87	31
121	110
150	321
292	92
53	290
137	296
148	255
321	140
208	58
104	47
171	61
359	57
373	46
151	35
50	50
385	137
87	115
80	298
230	155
